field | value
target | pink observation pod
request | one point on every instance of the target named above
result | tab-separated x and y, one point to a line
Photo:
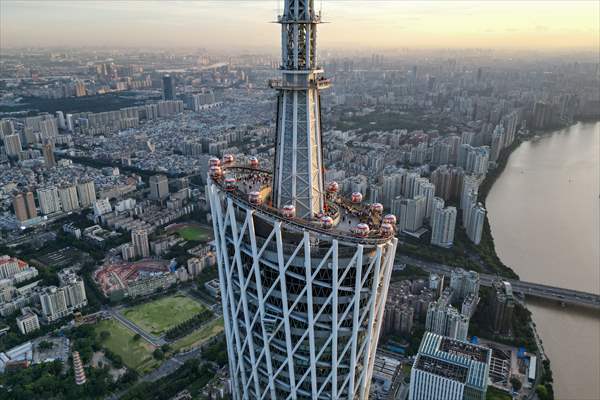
390	219
288	211
361	230
386	230
215	172
377	207
254	197
356	197
253	162
228	158
333	187
326	221
230	184
214	162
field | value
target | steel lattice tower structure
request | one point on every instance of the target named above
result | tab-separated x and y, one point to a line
303	272
298	177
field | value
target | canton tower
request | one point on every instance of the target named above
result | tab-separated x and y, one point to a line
304	271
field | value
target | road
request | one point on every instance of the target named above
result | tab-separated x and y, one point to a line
561	295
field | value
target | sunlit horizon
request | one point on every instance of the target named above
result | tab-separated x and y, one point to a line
237	25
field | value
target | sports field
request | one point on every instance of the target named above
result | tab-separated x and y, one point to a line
200	335
158	316
136	354
192	232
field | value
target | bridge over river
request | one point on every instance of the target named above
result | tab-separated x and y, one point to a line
563	296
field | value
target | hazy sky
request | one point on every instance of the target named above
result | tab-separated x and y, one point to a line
239	24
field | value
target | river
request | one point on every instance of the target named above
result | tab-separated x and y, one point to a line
544	216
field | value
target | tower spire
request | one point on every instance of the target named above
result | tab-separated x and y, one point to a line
298	166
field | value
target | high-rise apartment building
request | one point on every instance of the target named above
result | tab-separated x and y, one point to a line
449	369
24	206
446	320
87	193
443	224
6	128
502	307
159	187
54	304
12	145
475	222
49	200
68	198
303	280
74	289
426	189
58	302
48	151
412	213
463	283
28	321
20	208
139	239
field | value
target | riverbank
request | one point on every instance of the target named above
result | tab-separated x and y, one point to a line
541	204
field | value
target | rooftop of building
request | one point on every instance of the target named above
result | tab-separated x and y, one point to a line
465	362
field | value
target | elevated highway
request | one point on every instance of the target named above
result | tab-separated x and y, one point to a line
560	295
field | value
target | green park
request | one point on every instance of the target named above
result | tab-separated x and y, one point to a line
158	316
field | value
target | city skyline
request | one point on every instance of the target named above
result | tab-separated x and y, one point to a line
245	24
299	199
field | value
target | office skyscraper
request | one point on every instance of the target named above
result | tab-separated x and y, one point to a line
449	369
303	279
168	87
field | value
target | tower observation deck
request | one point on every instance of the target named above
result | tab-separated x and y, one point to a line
303	271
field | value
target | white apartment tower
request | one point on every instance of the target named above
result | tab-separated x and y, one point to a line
443	224
303	274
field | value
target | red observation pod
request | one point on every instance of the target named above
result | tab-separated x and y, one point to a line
214	162
386	230
254	162
356	197
230	184
228	158
377	207
333	187
390	219
326	221
361	230
288	211
215	172
254	197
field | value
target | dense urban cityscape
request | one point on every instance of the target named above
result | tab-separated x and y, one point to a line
203	224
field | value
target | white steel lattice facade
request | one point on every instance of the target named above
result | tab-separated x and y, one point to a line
302	310
304	274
